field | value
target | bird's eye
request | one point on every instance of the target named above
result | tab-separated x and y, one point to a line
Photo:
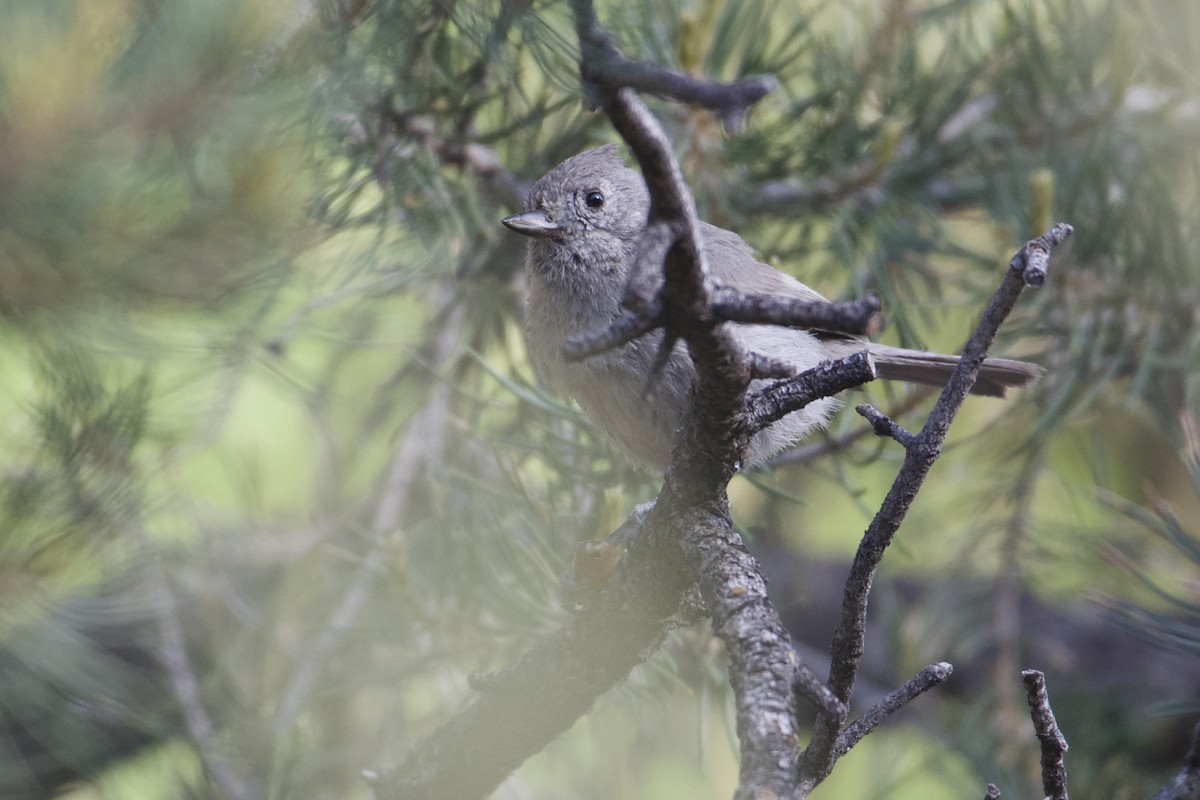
594	199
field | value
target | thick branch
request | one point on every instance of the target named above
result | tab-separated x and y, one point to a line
693	502
557	681
1054	744
762	663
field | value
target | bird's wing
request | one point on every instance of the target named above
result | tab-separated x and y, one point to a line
734	263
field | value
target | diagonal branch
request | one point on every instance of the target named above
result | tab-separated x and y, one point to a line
920	454
916	686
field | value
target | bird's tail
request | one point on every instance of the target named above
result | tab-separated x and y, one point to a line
995	377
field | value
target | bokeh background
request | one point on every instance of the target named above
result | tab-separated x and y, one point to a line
278	476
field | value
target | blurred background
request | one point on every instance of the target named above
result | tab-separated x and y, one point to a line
278	476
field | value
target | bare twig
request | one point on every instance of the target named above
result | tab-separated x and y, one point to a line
765	366
603	67
920	454
1054	744
826	379
858	317
625	329
814	690
920	683
1033	259
799	455
883	425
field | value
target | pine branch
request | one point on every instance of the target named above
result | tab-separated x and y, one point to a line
602	67
1054	744
921	451
920	683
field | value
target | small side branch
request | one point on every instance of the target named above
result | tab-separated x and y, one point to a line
917	685
602	65
624	329
883	425
1032	260
857	318
1054	744
814	690
825	380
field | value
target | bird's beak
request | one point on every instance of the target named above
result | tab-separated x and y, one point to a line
532	223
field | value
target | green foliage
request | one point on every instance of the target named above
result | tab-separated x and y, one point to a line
265	380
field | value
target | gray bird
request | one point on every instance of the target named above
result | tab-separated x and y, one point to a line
584	219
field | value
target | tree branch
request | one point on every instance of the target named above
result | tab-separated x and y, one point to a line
602	67
686	533
693	505
920	683
858	317
883	425
625	329
1054	744
824	380
920	454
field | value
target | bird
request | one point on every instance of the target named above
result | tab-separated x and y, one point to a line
583	220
